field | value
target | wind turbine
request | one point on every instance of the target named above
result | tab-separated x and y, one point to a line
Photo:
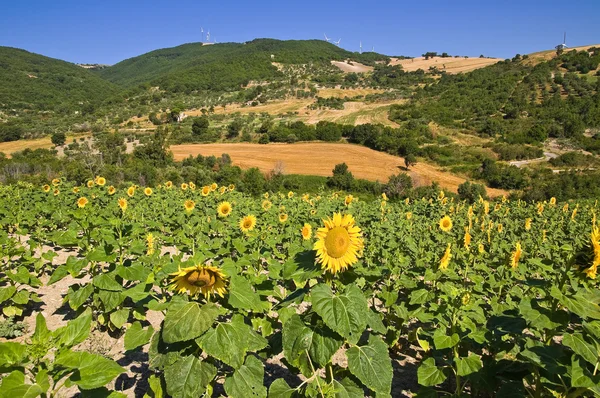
202	32
208	36
327	39
360	45
337	43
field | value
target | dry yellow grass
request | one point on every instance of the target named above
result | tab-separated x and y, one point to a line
450	65
352	92
38	143
320	158
541	56
353	67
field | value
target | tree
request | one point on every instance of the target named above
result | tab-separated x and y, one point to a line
234	128
328	131
410	160
471	192
253	182
342	177
398	186
58	138
200	126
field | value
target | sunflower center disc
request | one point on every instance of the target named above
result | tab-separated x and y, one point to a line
201	279
337	242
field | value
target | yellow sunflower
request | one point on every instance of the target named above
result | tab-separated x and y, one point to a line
467	239
290	195
148	191
552	201
283	217
409	215
192	185
111	190
339	243
516	256
348	200
313	212
214	186
224	209
222	190
446	223
595	238
248	223
131	191
169	184
56	192
205	279
306	231
101	181
75	189
441	195
384	196
446	258
189	205
206	190
46	188
150	244
55	181
528	224
266	205
231	187
266	195
81	202
122	202
184	186
90	183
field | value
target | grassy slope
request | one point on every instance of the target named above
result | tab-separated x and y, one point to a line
33	81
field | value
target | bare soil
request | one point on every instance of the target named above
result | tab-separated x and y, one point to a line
450	65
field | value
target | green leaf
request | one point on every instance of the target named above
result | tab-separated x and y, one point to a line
186	321
136	336
375	323
155	387
535	318
12	354
346	313
442	341
107	282
90	370
582	377
188	377
429	375
346	388
41	334
6	293
119	317
111	299
241	295
419	296
60	272
468	365
79	296
136	272
578	304
102	392
581	347
42	379
139	292
76	331
372	365
298	339
227	342
247	381
281	389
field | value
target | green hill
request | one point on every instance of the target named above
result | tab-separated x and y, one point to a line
33	81
194	66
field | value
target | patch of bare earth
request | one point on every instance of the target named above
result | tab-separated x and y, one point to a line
319	158
352	67
450	64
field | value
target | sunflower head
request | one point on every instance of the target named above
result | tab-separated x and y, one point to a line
339	243
409	215
552	201
192	185
446	223
111	190
205	279
131	191
247	223
184	186
290	195
348	200
516	256
384	196
46	188
528	224
224	209
283	217
100	181
147	191
56	192
206	190
467	238
446	258
150	244
189	205
266	205
75	189
169	184
441	195
81	202
222	190
214	186
90	183
231	187
55	181
306	231
122	202
266	195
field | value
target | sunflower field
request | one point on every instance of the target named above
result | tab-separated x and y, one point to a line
297	295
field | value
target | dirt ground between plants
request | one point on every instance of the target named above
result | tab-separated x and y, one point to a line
319	158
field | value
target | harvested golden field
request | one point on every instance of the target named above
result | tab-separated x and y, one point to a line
319	158
352	67
352	92
541	56
450	65
38	143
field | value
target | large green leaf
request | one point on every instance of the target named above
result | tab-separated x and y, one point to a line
442	341
107	282
188	377
12	354
136	336
242	296
79	296
468	365
14	386
582	377
534	316
372	365
346	388
76	331
581	347
345	313
186	321
90	370
298	340
429	375
247	381
578	304
227	341
7	292
281	389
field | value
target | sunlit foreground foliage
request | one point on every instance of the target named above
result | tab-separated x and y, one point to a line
495	298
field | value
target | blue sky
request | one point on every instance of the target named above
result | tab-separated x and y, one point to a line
110	31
